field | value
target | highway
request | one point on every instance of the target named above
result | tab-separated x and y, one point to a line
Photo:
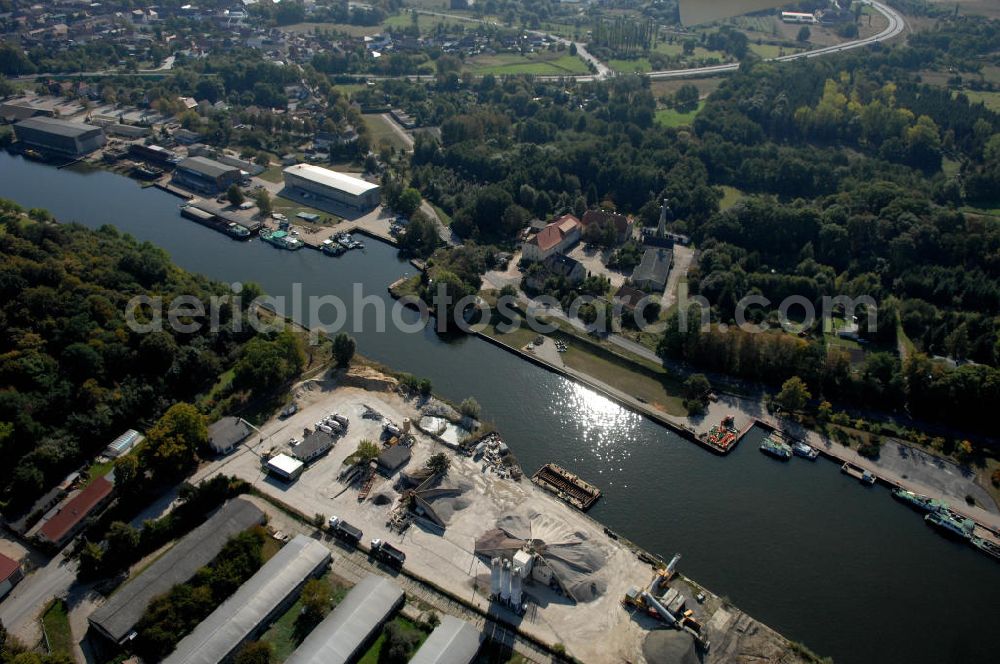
897	24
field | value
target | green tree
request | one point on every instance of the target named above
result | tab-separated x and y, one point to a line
343	349
438	463
367	451
399	645
696	386
262	199
264	364
316	598
254	652
469	407
686	98
235	195
408	201
804	34
172	442
794	394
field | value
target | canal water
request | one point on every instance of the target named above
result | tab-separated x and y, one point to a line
809	551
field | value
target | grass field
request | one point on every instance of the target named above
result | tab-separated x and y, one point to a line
540	64
56	623
989	99
730	196
669	117
382	132
651	384
771	50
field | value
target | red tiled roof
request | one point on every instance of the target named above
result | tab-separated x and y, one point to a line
76	510
554	233
7	567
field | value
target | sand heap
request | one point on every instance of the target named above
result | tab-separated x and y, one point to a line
571	556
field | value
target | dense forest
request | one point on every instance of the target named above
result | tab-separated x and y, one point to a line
855	174
73	375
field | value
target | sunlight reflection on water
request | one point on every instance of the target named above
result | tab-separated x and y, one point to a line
606	430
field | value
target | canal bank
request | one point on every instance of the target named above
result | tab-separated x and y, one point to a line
794	545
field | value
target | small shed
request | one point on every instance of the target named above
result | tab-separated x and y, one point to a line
392	459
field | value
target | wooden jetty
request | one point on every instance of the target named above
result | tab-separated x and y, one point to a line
566	486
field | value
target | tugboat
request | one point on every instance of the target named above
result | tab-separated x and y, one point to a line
917	501
950	525
237	231
805	451
776	448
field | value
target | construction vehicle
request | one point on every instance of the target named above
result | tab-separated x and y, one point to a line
670	608
387	553
343	530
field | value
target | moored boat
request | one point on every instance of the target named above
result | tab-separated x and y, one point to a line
776	448
917	501
805	451
950	525
986	546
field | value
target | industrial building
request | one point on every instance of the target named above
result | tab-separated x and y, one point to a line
308	181
119	615
205	175
254	604
59	137
225	434
285	467
343	634
68	519
453	641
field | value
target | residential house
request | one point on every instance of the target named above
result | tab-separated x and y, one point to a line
69	518
624	226
225	434
10	574
555	238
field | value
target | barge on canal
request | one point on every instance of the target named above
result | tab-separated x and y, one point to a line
216	222
568	487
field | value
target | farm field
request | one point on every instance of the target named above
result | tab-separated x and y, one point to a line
541	64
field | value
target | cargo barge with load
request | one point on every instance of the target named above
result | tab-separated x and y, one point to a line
567	486
723	437
215	222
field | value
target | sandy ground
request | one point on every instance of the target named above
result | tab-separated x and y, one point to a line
596	631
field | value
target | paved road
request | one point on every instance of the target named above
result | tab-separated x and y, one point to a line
26	601
897	24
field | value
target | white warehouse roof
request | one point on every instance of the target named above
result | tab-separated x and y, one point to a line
454	641
337	639
326	177
215	639
284	464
